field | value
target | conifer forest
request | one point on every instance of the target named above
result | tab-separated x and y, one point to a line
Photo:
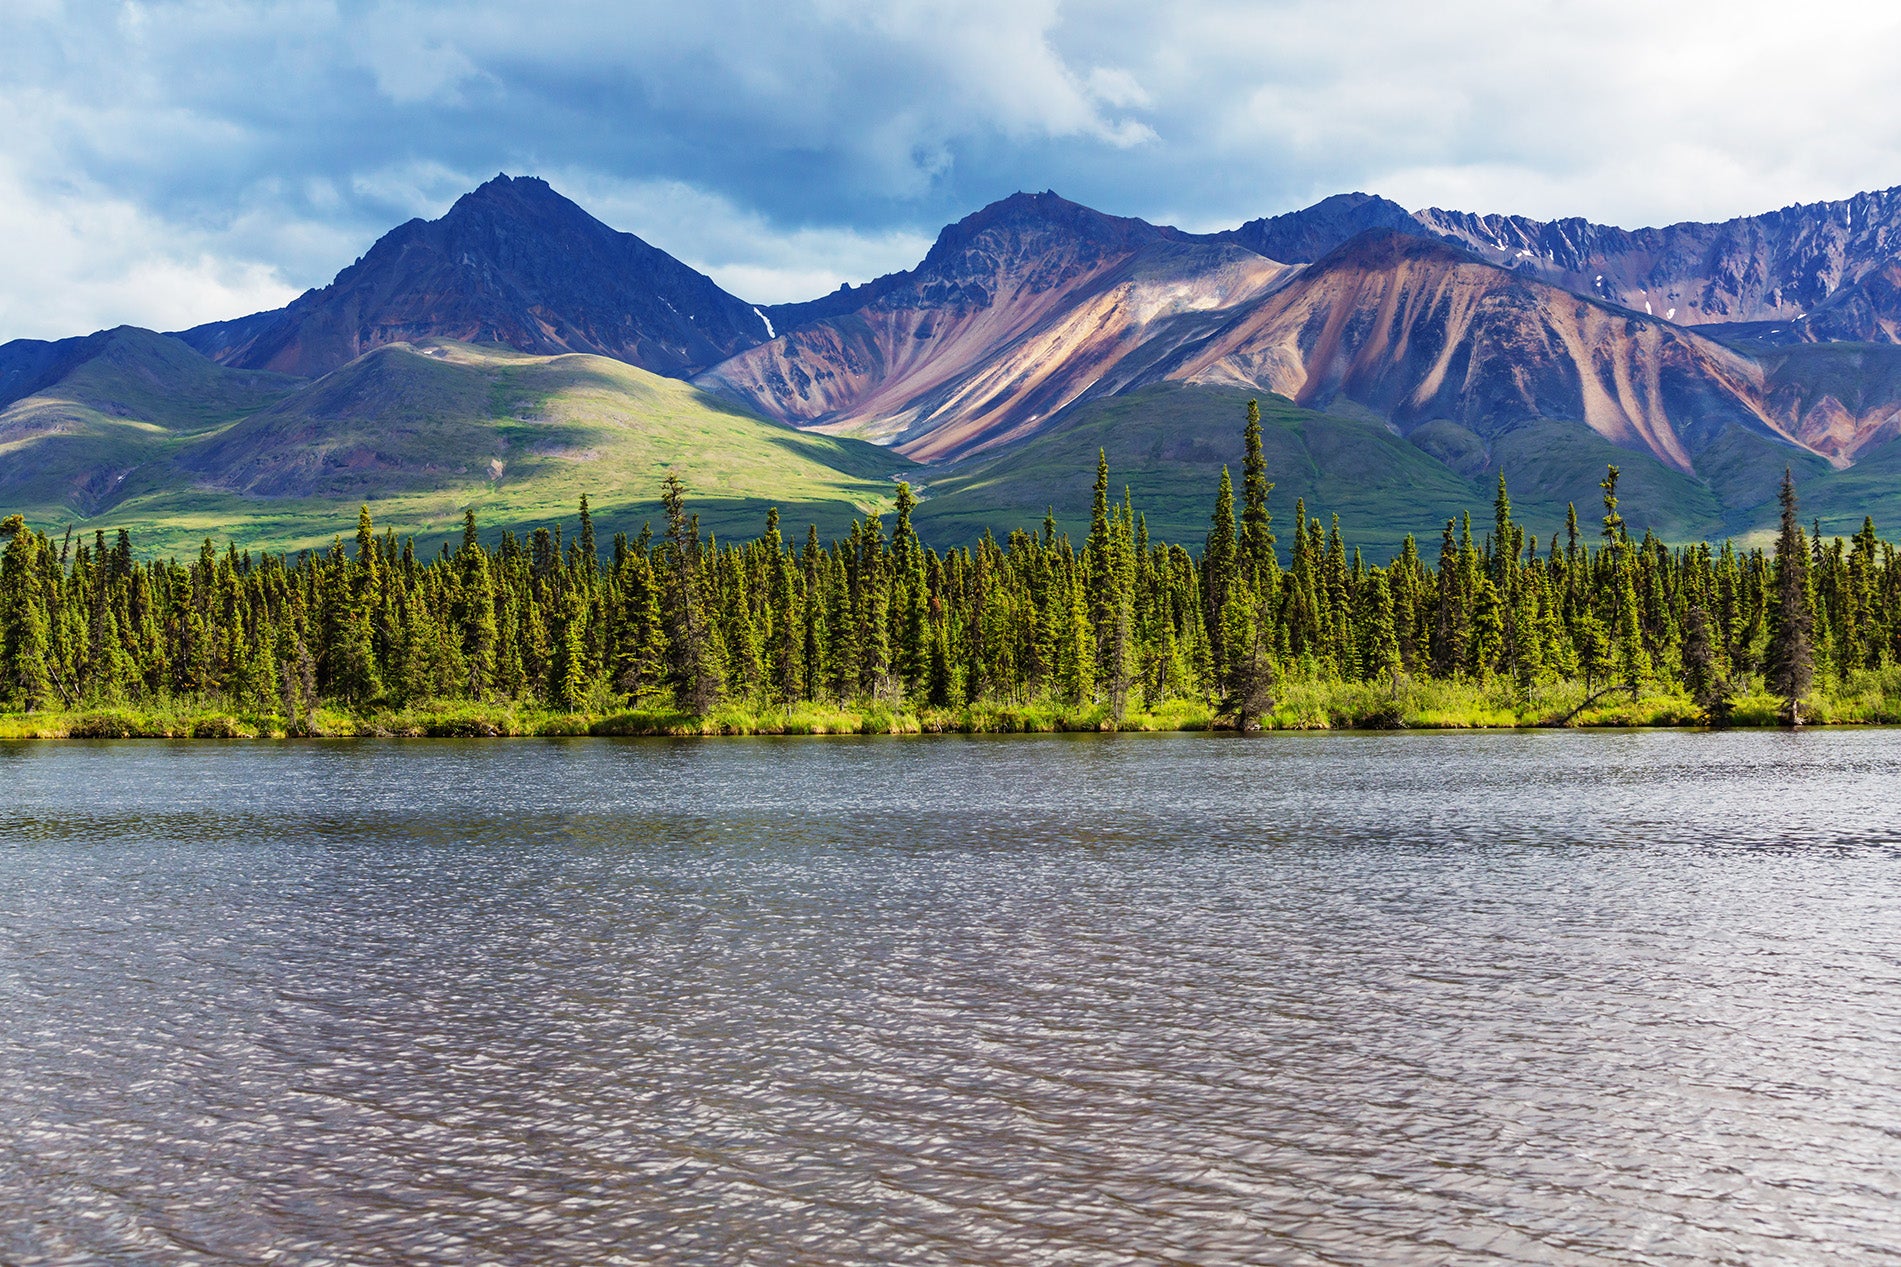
1270	620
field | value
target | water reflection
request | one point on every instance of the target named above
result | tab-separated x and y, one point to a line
1488	998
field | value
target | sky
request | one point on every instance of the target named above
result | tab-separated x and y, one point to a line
167	163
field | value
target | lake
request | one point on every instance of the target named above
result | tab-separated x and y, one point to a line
1549	997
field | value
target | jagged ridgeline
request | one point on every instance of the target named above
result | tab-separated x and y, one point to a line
1276	621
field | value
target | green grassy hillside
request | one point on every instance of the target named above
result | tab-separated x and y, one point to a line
422	431
75	448
1168	443
150	436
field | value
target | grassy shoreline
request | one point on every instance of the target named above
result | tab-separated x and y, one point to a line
1865	699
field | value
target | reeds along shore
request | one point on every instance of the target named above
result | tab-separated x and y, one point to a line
1873	699
875	633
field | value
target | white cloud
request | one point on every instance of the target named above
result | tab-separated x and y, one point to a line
740	249
178	155
1620	111
80	260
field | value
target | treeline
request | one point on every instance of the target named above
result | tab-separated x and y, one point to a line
684	622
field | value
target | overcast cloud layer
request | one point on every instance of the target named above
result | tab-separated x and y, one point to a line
168	163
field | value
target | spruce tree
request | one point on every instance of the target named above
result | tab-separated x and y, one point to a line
355	676
567	673
812	629
590	556
1218	569
1108	560
785	651
25	678
1250	681
693	655
1378	653
1451	620
909	637
639	652
1614	531
475	621
1701	676
1078	649
1789	662
1506	540
1257	540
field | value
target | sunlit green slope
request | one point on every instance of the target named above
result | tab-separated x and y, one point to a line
422	431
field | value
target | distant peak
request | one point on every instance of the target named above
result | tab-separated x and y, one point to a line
502	180
1370	209
1386	247
1358	198
515	191
1028	206
1044	212
1311	232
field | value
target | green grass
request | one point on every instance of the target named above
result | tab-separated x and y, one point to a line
465	720
1168	443
421	432
150	436
1549	464
1870	487
112	424
1299	703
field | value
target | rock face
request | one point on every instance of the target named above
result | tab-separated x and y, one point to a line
1417	331
1867	310
1016	312
1300	237
1784	267
1485	322
512	263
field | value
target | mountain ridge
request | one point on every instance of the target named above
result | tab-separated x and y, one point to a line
1016	311
1477	344
514	263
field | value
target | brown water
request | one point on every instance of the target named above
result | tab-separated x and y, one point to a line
1553	998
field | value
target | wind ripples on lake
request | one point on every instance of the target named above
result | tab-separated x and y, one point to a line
1347	998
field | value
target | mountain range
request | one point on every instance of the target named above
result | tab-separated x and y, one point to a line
517	352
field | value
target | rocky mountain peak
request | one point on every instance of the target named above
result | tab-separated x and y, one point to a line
1298	237
512	262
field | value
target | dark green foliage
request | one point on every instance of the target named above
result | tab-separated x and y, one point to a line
1250	678
25	678
1701	676
1790	661
693	663
1121	622
1257	542
1218	574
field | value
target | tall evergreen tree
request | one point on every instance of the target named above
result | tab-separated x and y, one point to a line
1701	676
1378	654
692	663
785	632
1250	682
25	678
909	637
1257	539
1789	663
1218	568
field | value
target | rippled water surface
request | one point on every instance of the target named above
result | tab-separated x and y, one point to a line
1554	998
